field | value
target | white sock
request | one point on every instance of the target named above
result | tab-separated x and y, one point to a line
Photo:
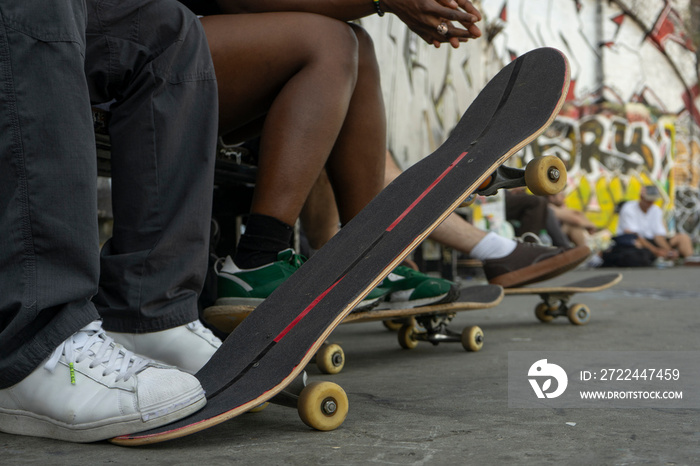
493	246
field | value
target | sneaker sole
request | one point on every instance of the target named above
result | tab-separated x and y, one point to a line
544	270
31	424
367	304
254	302
449	297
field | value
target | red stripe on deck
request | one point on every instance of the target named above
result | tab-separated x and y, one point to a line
304	312
425	193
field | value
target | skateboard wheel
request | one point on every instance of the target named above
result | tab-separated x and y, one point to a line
579	314
545	175
541	313
469	200
330	358
323	405
392	325
485	184
259	407
472	338
406	339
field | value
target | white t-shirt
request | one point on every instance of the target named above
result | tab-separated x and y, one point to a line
633	219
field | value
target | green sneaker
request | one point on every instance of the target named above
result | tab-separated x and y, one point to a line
409	288
373	298
250	287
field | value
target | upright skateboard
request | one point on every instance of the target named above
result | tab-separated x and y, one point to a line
555	299
273	345
433	320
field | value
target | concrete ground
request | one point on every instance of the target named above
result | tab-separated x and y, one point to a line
441	405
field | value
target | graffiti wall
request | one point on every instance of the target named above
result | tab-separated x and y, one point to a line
610	151
631	116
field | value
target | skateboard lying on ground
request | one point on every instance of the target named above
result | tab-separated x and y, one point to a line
434	320
273	345
555	299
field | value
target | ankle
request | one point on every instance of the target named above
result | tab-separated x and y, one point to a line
263	239
493	246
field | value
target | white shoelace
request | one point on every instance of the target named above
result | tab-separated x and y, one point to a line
92	340
528	234
199	329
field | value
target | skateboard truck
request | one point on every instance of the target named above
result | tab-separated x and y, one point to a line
557	304
436	332
543	176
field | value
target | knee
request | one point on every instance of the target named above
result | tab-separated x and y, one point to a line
337	46
178	42
172	21
367	54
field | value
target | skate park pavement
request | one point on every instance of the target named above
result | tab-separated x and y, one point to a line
442	405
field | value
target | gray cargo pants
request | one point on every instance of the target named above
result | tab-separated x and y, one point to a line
152	60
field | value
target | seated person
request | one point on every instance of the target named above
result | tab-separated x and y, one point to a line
574	223
314	107
531	216
644	219
61	375
506	262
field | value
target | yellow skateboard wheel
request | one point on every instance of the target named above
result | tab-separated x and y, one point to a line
323	405
330	358
545	175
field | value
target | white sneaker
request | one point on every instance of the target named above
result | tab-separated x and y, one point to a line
91	389
188	347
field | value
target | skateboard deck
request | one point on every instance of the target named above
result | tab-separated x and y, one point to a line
433	319
274	344
555	299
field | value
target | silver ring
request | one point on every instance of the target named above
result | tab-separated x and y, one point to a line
442	29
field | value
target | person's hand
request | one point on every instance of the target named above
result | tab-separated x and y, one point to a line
424	16
665	253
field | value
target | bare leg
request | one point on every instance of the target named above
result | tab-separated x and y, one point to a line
454	231
356	165
683	244
319	217
317	103
578	235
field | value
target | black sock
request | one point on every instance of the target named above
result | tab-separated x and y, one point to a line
263	239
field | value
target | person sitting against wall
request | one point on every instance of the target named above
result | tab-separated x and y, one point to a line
643	221
533	218
62	375
573	223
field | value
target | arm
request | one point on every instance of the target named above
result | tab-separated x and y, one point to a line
421	16
663	250
658	229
